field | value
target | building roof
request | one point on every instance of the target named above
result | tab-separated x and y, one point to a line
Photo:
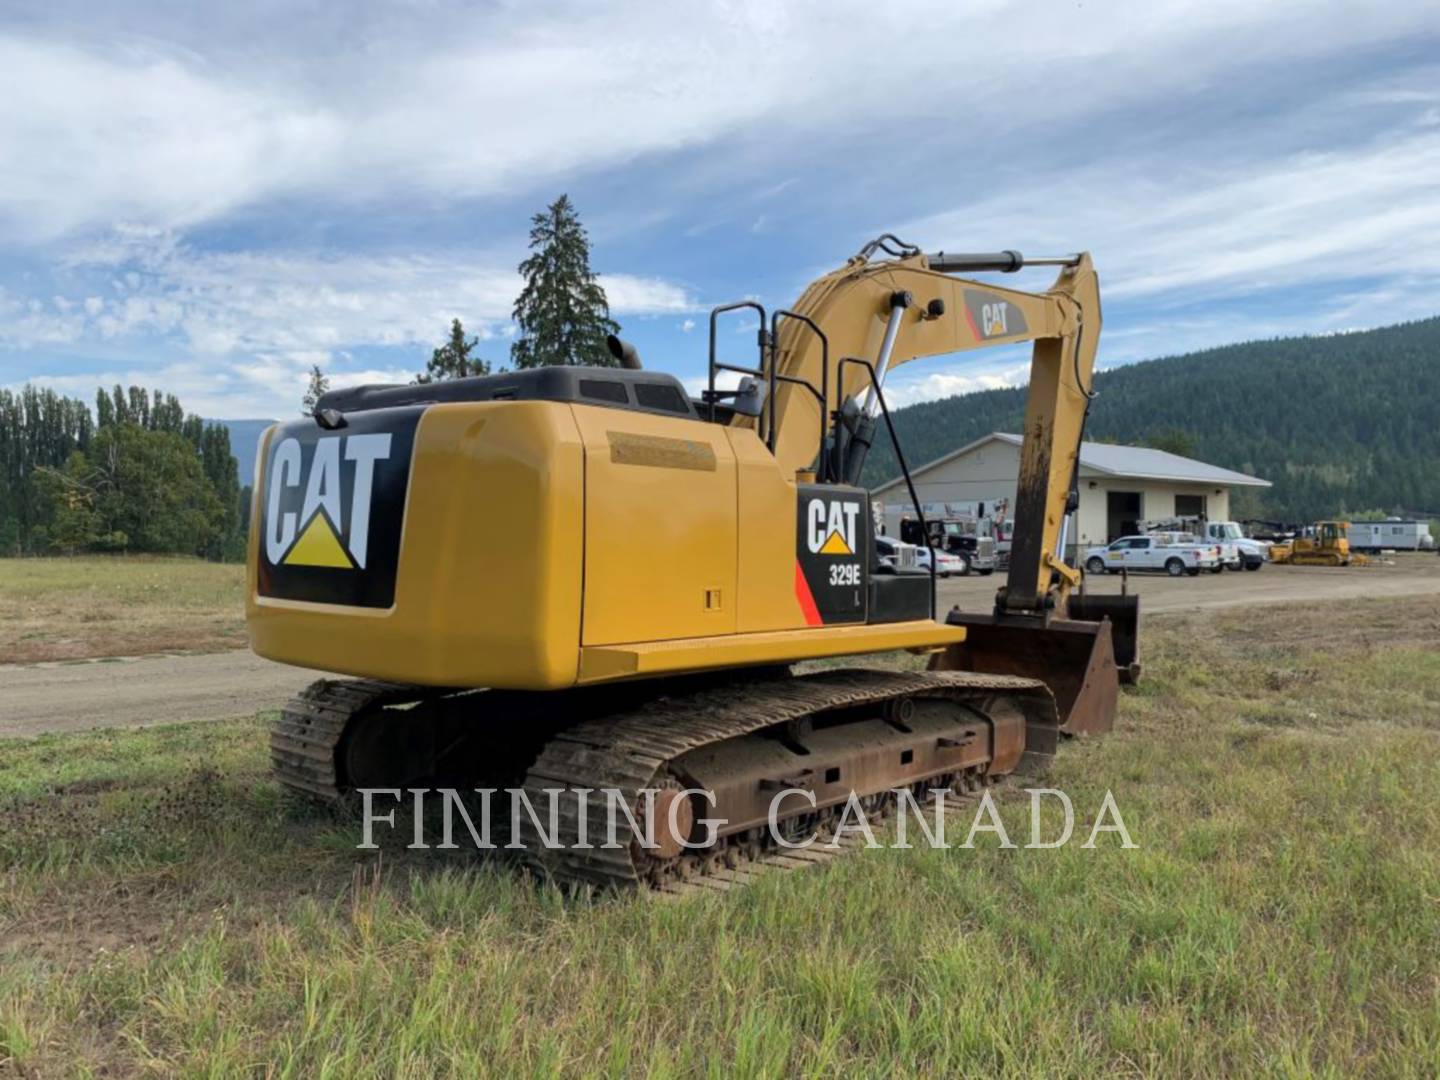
1132	462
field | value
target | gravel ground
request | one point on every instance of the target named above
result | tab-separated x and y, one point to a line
41	698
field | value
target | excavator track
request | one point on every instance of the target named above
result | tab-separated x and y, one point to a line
305	740
643	747
633	752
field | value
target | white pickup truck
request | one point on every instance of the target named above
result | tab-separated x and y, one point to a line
1175	554
1230	554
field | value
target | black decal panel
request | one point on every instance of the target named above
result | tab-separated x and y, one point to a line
832	549
332	508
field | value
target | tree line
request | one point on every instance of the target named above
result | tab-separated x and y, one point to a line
138	474
1339	424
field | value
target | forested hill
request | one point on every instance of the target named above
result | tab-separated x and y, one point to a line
1339	424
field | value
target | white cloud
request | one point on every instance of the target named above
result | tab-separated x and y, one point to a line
206	389
223	303
32	321
253	323
93	137
923	381
1373	209
630	295
155	116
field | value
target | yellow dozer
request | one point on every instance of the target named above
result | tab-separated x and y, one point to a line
1329	546
579	578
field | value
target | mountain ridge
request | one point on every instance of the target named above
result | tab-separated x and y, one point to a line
1339	423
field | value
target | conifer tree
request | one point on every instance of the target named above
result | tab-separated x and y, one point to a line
453	360
561	312
319	383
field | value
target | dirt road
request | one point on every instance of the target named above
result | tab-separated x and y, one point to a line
167	689
148	690
1411	575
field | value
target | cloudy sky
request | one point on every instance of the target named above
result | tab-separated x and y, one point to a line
209	198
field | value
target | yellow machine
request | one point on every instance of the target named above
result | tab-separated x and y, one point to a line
580	577
1329	546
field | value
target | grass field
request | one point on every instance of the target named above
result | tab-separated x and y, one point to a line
69	609
163	910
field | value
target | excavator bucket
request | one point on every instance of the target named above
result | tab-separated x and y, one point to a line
1083	659
1123	612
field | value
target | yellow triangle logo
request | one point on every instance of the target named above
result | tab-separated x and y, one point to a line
835	545
318	546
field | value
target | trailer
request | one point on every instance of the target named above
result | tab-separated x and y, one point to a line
1392	534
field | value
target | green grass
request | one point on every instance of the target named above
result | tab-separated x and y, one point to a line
163	910
76	608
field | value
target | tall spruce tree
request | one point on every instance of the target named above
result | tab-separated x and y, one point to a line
453	360
562	312
319	383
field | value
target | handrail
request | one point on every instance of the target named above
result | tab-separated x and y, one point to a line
822	470
717	365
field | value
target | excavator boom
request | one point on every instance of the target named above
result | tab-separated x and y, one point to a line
911	307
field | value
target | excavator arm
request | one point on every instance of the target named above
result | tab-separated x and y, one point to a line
821	420
896	311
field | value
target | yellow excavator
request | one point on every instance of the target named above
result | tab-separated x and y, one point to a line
580	578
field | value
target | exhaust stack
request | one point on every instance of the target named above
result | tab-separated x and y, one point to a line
623	351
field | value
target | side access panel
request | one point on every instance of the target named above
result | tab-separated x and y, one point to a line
767	527
660	534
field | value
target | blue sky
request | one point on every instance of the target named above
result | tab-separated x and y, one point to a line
209	198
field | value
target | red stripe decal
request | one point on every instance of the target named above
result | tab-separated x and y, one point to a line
969	318
806	598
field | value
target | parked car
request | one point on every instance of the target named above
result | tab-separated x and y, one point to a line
946	562
1174	553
